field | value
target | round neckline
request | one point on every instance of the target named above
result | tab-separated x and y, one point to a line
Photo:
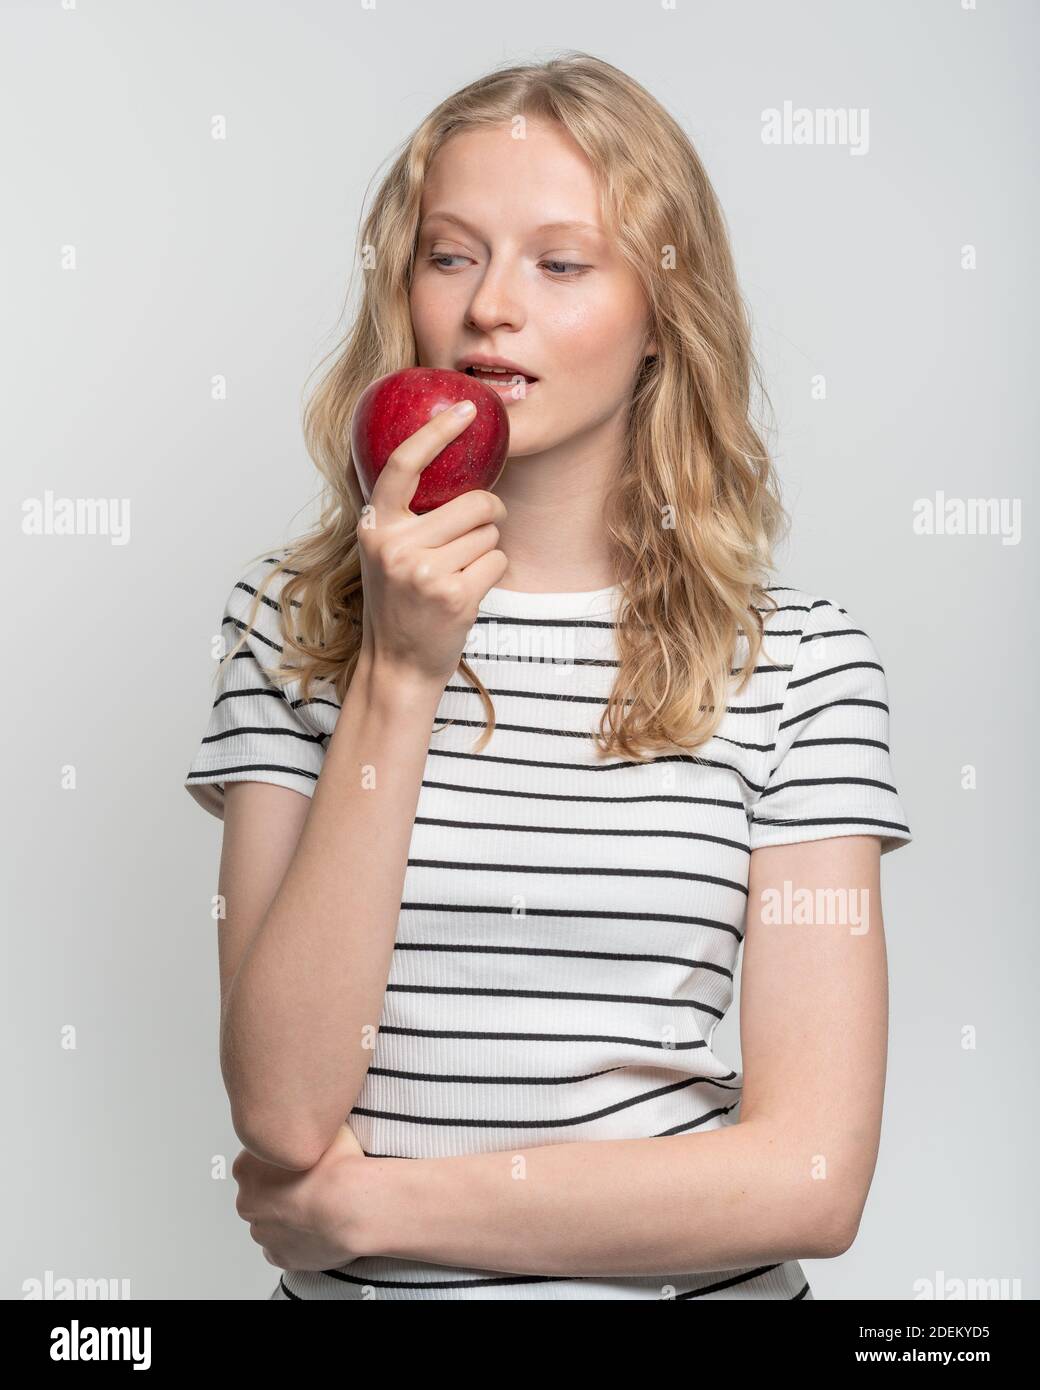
514	603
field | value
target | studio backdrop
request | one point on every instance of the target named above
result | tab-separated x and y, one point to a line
185	187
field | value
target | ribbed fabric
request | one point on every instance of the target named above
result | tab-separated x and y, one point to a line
570	927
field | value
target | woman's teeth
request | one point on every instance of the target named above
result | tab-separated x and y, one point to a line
499	373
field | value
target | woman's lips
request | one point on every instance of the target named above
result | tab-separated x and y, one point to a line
510	389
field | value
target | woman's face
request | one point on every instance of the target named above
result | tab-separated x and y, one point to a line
492	277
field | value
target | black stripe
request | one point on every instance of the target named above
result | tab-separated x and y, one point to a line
565	697
676	1129
582	830
264	729
819	603
835	632
833	671
838	742
273	603
606	800
729	1283
834	820
450	720
252	767
505	692
520	1080
435	1076
273	691
510	621
502	1279
749	747
683	1128
398	1031
687	1125
558	995
757	709
542	660
506	1280
273	559
484	1123
569	914
683	874
597	767
244	627
829	782
831	704
545	951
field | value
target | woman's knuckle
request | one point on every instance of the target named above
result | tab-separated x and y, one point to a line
395	560
448	593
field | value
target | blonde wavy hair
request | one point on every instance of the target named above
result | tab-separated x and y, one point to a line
694	510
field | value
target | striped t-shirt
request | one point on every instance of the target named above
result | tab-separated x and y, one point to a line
570	927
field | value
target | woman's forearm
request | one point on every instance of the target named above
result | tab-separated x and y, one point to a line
732	1197
303	1010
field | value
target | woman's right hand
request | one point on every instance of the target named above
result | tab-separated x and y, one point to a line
424	576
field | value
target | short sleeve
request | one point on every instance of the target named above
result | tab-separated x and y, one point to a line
830	771
257	731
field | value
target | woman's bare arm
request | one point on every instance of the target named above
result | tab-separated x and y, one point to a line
303	974
788	1181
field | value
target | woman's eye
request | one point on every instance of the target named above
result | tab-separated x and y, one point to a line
575	269
569	269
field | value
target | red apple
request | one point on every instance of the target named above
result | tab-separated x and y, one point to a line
395	406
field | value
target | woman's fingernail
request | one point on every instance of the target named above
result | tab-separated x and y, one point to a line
463	408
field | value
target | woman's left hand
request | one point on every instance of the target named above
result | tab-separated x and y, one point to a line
301	1219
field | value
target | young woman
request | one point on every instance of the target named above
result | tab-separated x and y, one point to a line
573	751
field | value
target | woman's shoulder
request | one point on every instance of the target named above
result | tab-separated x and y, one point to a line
260	728
812	634
803	613
794	606
258	576
828	765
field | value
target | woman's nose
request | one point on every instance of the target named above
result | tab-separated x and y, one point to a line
497	301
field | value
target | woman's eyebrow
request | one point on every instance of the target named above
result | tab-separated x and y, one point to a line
545	227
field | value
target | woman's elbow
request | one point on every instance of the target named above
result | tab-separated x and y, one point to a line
835	1234
273	1144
